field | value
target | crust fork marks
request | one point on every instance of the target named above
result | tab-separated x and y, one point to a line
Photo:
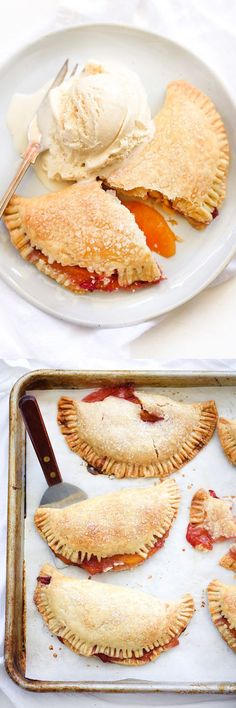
120	656
121	644
192	179
197	509
216	193
82	239
167	506
13	220
199	436
21	241
222	606
227	434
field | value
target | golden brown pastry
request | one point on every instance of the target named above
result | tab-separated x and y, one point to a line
140	435
116	624
114	531
227	433
82	237
222	606
228	561
211	520
186	163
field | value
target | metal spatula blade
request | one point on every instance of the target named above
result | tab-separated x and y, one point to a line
59	493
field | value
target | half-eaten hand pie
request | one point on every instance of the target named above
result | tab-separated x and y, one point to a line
82	237
114	531
211	520
228	561
186	162
130	433
116	624
222	606
227	433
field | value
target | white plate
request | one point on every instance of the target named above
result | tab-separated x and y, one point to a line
201	256
202	656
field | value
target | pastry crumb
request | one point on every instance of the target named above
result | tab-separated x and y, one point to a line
55	656
51	647
174	223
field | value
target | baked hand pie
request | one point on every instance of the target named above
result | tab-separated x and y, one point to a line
82	237
222	606
117	624
211	520
227	434
127	433
228	561
114	531
186	162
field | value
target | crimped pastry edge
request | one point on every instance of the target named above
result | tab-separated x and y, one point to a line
199	216
216	194
72	640
214	591
227	440
22	242
42	521
67	419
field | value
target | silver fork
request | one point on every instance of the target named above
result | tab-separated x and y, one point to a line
37	136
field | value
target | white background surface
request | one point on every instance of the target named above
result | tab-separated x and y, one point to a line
202	328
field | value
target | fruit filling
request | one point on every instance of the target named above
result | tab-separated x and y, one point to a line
116	562
44	579
198	536
223	621
82	279
125	391
159	237
147	655
232	553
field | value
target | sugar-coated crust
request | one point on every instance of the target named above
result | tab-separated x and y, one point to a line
228	561
95	618
227	434
222	605
111	436
128	521
186	162
85	226
212	514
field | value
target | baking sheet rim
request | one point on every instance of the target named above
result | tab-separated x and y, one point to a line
39	379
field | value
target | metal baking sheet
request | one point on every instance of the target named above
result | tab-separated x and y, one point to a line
202	662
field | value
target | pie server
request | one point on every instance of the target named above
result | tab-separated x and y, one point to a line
59	493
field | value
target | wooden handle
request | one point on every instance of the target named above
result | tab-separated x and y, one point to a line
28	159
39	437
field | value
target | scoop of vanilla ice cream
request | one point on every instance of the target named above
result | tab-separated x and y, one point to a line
99	115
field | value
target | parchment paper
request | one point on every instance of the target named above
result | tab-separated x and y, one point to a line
177	568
